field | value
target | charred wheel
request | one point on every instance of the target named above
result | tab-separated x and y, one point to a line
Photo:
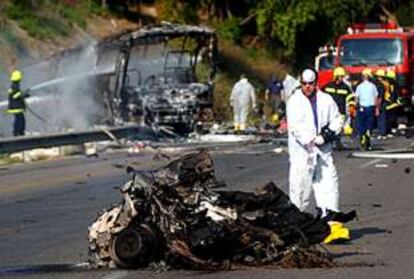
136	246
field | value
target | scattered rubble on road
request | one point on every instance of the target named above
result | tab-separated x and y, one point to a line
176	216
162	143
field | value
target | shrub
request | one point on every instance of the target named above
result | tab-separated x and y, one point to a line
51	18
72	15
229	29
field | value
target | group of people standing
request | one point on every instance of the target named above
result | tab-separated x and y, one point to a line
243	99
316	118
369	104
314	121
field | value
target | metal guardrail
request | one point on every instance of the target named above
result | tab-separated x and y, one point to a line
16	144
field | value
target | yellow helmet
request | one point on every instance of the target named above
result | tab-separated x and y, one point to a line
380	73
16	75
391	74
347	130
367	72
275	119
339	72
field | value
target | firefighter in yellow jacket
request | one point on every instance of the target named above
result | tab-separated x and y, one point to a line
389	104
341	93
338	89
17	105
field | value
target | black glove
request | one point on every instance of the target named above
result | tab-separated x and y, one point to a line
26	93
328	135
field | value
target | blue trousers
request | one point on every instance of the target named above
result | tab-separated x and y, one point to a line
386	120
383	123
19	124
365	119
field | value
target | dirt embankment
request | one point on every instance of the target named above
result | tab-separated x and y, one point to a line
18	48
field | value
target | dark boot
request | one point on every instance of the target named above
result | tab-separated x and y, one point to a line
362	142
338	145
368	146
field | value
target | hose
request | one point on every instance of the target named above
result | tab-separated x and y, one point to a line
36	115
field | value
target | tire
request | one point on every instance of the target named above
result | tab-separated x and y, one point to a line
134	247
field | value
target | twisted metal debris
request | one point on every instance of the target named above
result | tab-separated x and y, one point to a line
175	214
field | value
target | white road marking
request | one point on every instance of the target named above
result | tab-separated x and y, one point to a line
370	163
116	275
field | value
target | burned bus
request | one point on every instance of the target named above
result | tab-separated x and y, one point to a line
163	76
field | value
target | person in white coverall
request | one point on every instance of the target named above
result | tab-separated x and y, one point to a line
242	96
289	84
313	122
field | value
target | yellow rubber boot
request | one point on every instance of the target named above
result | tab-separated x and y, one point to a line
338	232
274	119
242	127
348	130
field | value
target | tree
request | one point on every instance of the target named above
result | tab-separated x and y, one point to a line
287	20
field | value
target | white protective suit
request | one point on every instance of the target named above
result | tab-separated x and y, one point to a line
242	95
311	166
289	85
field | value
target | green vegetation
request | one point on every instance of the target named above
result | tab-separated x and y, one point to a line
234	60
229	29
221	97
254	34
293	29
257	37
46	19
10	38
405	14
6	160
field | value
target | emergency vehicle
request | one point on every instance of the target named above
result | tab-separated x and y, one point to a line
324	64
379	46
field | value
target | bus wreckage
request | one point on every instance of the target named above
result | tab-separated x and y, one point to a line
176	215
163	76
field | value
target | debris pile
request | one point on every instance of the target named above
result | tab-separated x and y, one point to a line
176	215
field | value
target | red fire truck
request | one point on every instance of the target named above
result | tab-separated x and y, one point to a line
379	46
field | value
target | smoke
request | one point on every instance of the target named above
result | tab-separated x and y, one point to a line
73	104
64	93
66	90
76	103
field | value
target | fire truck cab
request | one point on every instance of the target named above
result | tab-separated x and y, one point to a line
324	64
380	46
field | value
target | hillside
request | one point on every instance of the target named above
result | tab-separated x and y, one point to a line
26	39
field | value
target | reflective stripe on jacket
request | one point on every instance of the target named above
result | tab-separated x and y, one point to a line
339	92
16	99
15	111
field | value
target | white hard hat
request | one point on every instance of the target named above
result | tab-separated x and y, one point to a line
308	75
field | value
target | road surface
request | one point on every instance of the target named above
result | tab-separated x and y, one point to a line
46	208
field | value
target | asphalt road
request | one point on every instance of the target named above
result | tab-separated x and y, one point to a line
46	208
